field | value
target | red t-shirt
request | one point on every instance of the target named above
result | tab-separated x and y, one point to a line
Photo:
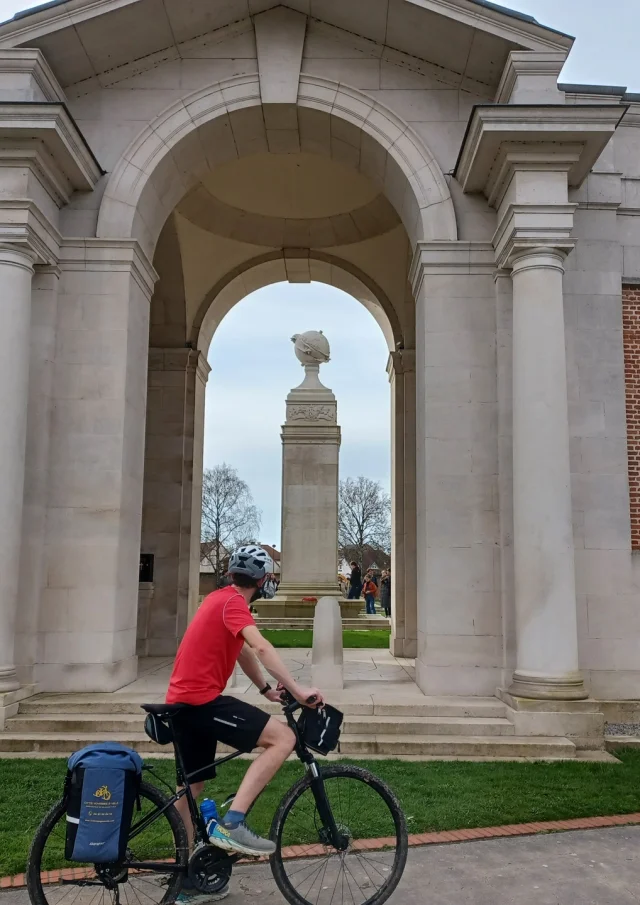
210	648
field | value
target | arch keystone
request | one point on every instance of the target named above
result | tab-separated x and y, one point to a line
280	34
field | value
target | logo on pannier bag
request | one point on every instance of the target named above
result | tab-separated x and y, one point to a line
103	792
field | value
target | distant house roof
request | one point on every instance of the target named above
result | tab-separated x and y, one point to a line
273	553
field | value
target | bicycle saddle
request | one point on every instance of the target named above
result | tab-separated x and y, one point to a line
163	709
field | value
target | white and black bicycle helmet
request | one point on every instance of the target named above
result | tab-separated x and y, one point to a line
250	560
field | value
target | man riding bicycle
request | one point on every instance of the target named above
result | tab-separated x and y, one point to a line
223	633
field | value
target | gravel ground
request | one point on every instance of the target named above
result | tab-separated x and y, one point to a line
622	729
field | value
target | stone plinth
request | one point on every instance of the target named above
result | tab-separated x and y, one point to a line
327	658
310	450
278	607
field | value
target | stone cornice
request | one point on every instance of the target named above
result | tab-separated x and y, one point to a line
23	224
32	156
31	61
519	30
631	118
588	127
109	255
526	63
52	127
308	433
450	257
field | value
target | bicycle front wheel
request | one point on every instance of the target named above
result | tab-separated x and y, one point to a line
52	880
310	871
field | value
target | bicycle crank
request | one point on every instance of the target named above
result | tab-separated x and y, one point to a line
210	868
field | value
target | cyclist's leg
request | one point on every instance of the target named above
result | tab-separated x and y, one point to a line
246	727
278	742
182	807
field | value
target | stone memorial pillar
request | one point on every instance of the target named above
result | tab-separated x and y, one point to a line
16	272
310	449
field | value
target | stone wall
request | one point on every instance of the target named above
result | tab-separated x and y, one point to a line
631	336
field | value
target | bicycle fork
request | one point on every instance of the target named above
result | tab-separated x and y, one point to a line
330	828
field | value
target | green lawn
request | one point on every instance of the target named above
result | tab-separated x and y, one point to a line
436	795
378	638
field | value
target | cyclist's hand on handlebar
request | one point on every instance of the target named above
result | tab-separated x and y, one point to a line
274	696
310	697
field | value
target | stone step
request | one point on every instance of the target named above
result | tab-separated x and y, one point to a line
426	726
63	743
616	742
535	747
93	704
77	722
123	723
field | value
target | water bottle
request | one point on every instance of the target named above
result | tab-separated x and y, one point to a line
209	812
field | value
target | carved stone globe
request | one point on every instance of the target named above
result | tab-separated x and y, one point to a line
312	347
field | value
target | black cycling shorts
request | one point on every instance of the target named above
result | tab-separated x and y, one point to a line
226	719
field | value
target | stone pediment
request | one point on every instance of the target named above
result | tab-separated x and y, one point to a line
85	39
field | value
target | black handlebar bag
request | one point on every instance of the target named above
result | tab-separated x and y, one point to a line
102	785
320	728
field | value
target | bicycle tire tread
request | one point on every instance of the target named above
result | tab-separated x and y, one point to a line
362	775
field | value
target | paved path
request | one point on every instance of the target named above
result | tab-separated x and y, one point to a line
597	867
368	674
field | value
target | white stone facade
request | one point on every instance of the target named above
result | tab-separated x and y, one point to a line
160	161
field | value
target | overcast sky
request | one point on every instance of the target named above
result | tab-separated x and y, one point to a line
253	365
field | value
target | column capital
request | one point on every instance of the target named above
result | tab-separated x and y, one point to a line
541	257
402	361
17	256
23	225
442	257
524	227
111	255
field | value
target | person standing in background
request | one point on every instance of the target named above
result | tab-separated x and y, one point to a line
385	592
370	589
355	582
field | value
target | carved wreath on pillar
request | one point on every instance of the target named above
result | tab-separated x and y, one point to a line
311	413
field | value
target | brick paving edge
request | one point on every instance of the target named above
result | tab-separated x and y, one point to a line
444	837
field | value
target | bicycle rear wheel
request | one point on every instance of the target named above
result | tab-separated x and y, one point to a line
310	871
52	880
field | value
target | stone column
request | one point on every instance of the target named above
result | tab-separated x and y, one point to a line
402	377
172	495
16	272
545	595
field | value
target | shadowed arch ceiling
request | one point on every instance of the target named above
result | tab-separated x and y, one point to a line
289	200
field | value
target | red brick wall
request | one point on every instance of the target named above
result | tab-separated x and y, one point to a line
631	339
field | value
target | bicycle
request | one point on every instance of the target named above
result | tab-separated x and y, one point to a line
321	857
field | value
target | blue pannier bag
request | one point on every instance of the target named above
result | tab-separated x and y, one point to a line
102	785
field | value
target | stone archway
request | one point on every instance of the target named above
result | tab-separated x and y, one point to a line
178	378
227	121
168	169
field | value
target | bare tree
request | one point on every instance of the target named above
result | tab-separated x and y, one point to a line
230	518
364	518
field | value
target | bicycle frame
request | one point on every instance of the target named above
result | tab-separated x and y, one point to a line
184	779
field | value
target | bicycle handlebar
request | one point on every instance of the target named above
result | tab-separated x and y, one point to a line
290	704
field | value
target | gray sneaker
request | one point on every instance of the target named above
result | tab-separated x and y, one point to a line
242	840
